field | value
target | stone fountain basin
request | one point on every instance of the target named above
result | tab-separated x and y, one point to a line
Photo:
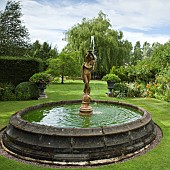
77	145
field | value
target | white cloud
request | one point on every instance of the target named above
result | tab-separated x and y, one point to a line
2	4
47	20
142	15
151	38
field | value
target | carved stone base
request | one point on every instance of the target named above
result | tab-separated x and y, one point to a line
85	108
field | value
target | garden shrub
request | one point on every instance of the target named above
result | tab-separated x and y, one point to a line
151	89
111	77
120	90
16	70
41	78
121	72
135	89
167	95
26	91
162	91
158	91
7	92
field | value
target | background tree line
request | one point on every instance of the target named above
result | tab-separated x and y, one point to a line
110	47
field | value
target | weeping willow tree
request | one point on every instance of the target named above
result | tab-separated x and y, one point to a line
111	49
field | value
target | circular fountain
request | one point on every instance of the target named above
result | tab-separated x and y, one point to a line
76	145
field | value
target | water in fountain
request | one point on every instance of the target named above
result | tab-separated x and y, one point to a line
68	116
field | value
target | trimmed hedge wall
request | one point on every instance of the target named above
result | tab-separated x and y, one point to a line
16	70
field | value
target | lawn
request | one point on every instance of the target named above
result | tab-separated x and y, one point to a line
155	159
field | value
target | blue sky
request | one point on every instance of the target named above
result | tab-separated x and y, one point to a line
140	20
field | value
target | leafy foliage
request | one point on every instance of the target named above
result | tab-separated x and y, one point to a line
147	50
163	85
111	77
43	51
41	78
14	36
161	56
120	90
26	91
65	65
134	89
111	49
16	70
137	55
144	71
121	72
7	92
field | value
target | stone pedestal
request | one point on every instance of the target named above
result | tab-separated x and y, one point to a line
41	88
85	108
110	87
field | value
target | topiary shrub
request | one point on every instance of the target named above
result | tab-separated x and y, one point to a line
41	78
7	92
111	77
26	91
16	70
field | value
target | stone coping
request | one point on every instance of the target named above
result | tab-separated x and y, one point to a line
19	123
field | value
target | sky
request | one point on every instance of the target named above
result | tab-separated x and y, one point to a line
139	20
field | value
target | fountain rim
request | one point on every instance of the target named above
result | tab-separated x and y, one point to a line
19	123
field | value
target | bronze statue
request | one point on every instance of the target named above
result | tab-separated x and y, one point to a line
87	68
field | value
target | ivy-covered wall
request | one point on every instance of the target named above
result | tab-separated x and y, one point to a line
16	70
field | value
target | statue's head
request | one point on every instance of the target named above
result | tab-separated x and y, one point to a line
90	56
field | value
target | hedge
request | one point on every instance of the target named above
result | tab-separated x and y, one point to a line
16	70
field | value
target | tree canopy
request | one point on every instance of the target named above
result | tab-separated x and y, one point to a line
110	47
64	65
14	36
43	51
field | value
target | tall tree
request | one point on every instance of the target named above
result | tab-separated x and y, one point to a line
66	64
138	53
14	36
161	56
155	45
43	51
147	50
109	43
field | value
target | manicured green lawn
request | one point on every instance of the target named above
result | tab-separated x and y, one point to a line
156	159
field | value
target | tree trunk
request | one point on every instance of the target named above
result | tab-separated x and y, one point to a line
62	78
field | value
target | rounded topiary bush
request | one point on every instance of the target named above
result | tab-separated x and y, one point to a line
7	92
26	91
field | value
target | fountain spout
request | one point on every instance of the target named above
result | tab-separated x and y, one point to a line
92	46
